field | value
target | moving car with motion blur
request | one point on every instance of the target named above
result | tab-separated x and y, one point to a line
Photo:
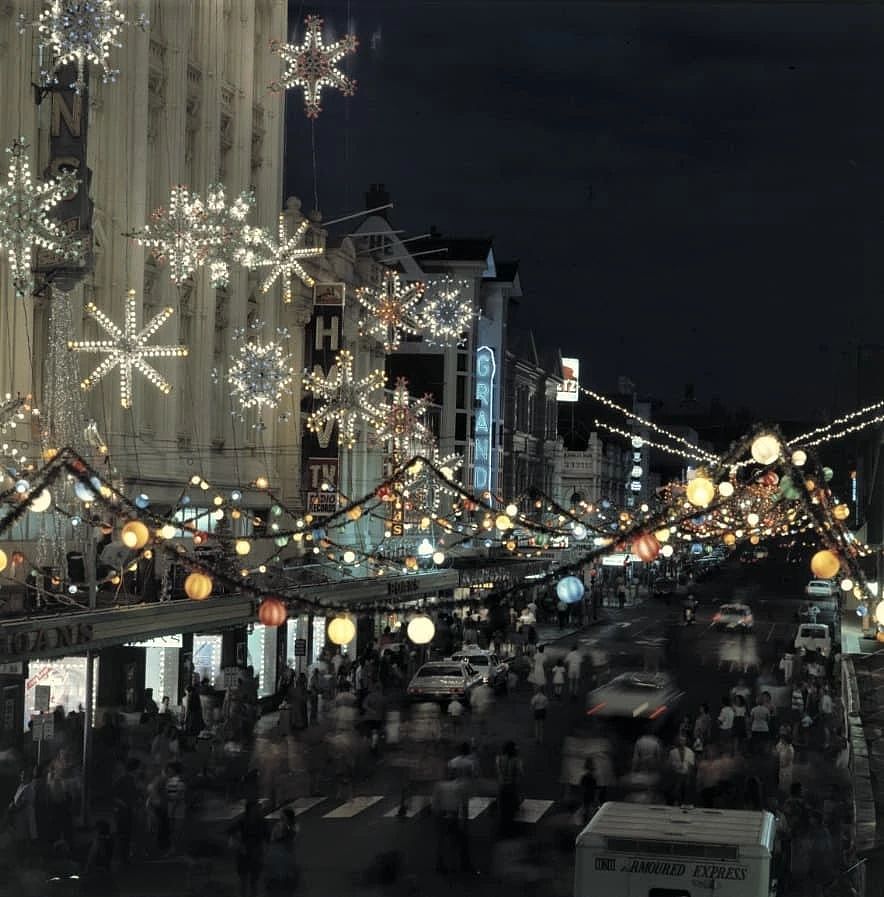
644	696
821	588
814	637
734	618
444	680
494	672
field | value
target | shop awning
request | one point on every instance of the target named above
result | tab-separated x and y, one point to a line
387	588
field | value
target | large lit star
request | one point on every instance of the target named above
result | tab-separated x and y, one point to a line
283	257
128	349
346	401
403	425
423	488
391	310
312	65
24	217
445	315
262	372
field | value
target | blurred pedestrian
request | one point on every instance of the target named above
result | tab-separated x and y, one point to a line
574	664
826	715
248	838
682	763
647	755
125	797
539	705
455	714
785	755
538	673
702	729
465	764
97	878
740	723
588	791
176	799
281	870
787	666
726	725
509	783
558	677
759	725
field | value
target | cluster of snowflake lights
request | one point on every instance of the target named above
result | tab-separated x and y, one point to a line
25	222
391	310
282	257
403	425
80	32
445	313
261	373
346	400
312	65
127	348
193	232
423	488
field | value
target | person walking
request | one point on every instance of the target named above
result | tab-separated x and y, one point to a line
281	870
248	838
682	762
538	673
739	724
125	795
558	676
574	664
450	808
176	799
702	729
759	726
539	705
787	667
510	773
785	756
465	764
726	725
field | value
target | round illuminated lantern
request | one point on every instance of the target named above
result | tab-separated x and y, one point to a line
725	488
700	492
354	513
663	534
341	631
730	540
421	630
799	457
667	551
198	586
879	612
646	546
503	522
841	512
765	449
3	560
135	535
242	547
272	612
41	501
825	564
569	589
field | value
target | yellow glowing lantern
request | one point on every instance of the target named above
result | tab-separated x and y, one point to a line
167	531
503	522
825	564
354	513
198	586
242	547
4	561
754	540
262	483
725	488
765	449
421	630
134	535
841	512
879	612
700	492
662	535
730	539
799	458
341	631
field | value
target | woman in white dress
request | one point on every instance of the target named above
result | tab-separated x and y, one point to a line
538	674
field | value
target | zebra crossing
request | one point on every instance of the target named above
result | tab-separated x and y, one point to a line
531	811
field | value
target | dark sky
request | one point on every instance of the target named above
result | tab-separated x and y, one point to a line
695	191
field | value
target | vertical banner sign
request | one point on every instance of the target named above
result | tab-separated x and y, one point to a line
484	417
69	114
569	389
320	450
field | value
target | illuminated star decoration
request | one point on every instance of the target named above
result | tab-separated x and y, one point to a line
81	32
444	315
24	217
346	401
421	485
403	424
391	310
128	349
194	232
312	65
283	258
261	373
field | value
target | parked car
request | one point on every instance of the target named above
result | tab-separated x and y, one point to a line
821	588
814	637
494	672
734	617
443	680
648	696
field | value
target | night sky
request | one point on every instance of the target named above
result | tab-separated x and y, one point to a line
695	191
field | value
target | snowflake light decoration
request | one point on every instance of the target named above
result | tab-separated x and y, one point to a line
24	217
127	348
423	488
194	232
312	65
403	425
261	373
346	401
283	257
80	32
391	310
445	314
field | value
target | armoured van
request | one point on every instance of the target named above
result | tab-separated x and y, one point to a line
640	850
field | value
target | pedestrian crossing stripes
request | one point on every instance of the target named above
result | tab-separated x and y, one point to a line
413	806
532	810
221	811
353	807
478	805
301	805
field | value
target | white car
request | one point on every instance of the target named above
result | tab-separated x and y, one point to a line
734	617
821	588
814	637
494	672
649	696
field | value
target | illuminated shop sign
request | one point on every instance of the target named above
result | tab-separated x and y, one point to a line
484	412
569	389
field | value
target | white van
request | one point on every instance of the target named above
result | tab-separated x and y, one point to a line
640	850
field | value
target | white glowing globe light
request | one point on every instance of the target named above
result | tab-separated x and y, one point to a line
421	630
167	531
349	557
425	550
503	522
341	631
765	449
511	510
41	501
847	585
667	551
752	519
726	489
438	557
579	532
799	458
243	547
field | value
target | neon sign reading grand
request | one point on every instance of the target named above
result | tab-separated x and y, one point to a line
484	411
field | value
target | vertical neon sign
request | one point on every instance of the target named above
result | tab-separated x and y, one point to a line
484	412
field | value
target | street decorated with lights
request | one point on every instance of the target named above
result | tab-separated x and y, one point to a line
391	310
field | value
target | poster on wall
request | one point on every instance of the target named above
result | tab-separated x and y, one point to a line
323	335
569	389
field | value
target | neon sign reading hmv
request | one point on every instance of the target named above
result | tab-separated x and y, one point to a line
484	412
